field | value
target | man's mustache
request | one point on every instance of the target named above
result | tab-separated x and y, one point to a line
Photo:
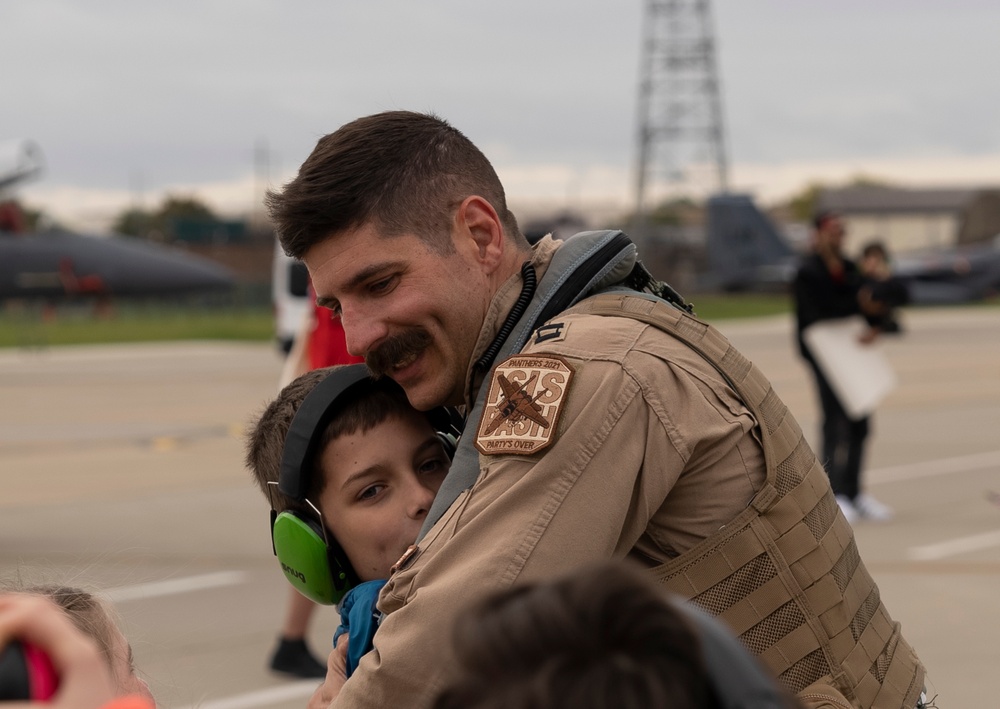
396	348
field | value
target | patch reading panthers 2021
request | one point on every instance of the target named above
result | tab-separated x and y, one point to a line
522	407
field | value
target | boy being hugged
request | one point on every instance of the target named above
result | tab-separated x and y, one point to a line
350	470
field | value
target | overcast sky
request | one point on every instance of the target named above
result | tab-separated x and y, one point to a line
129	100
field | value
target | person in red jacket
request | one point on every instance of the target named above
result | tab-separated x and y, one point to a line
320	343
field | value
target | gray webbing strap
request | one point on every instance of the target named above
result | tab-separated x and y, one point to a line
574	252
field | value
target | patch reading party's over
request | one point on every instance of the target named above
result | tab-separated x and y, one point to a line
522	408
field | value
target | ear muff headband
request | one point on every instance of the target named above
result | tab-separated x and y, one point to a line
448	424
318	571
311	559
309	425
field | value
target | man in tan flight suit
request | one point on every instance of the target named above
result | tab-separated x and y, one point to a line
604	421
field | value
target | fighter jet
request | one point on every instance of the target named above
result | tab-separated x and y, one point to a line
517	404
746	252
957	275
62	264
59	264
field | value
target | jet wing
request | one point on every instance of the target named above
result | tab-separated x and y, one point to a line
945	276
530	410
57	264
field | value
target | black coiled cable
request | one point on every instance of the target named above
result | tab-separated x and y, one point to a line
527	293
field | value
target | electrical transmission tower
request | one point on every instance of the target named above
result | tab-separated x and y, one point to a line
681	142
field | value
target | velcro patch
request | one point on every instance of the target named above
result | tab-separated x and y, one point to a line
522	407
552	332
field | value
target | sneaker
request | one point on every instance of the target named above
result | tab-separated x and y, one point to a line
870	508
292	657
848	508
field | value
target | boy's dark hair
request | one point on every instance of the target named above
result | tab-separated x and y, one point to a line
606	637
265	441
399	171
875	247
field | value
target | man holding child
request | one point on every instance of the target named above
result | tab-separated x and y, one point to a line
603	421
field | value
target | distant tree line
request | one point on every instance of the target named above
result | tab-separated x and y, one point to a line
156	223
186	219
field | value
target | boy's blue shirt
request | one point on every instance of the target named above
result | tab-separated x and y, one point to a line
359	619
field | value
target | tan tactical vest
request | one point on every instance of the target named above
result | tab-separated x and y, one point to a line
785	574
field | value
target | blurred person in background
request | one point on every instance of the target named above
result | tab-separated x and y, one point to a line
886	292
830	286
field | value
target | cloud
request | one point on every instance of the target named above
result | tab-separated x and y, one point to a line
129	98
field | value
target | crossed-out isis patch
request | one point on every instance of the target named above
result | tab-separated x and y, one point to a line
522	407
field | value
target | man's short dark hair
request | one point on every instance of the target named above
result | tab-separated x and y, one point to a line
401	171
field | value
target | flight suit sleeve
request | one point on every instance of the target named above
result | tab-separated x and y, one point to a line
581	500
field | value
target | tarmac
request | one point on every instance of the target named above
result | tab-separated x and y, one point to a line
122	470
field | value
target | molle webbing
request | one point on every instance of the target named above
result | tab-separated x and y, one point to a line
785	574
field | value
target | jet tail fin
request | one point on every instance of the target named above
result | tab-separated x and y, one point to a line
19	161
745	250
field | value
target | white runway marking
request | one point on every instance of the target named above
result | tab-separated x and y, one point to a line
142	591
962	545
932	468
262	697
259	698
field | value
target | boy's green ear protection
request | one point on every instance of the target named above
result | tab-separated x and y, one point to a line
311	559
318	570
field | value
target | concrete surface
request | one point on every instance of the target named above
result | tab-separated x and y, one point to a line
122	469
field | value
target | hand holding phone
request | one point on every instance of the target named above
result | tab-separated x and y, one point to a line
40	643
26	673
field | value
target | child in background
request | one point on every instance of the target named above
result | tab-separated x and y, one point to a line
881	287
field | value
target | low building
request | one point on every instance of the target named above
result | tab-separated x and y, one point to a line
915	219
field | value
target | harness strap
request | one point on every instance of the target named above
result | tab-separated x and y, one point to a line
585	262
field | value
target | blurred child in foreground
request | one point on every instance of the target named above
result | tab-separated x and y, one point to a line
78	632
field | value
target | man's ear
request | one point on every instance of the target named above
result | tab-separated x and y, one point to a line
476	220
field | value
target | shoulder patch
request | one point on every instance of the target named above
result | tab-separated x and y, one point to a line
522	408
